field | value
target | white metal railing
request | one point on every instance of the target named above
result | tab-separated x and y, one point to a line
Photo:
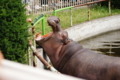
44	6
15	71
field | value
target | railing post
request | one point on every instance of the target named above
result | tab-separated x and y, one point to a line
33	58
43	26
54	13
109	6
43	33
71	16
88	12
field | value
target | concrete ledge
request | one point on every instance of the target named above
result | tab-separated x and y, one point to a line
94	27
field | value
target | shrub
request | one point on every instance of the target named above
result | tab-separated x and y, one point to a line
13	30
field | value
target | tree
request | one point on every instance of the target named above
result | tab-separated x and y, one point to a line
13	30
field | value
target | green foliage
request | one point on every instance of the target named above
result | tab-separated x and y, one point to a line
114	4
13	30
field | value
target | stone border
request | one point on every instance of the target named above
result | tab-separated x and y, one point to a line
94	27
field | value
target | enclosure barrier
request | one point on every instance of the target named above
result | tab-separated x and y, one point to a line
96	1
15	71
37	20
45	6
46	64
88	4
32	60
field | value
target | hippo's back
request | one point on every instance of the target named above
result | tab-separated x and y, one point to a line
84	63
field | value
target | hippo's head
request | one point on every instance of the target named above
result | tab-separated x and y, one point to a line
53	42
54	22
57	32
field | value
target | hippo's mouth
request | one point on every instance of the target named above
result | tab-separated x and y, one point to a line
53	22
38	38
42	38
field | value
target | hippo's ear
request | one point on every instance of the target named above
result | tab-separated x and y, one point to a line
65	38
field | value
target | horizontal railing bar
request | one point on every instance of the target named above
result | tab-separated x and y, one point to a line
89	3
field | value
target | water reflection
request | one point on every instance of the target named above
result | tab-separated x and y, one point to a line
111	49
107	43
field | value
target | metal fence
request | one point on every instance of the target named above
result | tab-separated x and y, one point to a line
44	6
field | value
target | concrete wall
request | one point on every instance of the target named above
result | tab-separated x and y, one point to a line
94	27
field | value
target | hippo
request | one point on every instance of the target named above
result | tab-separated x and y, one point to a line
69	57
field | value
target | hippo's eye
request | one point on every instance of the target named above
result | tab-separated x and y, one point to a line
56	21
48	23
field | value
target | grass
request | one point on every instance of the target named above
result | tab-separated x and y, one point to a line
79	15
